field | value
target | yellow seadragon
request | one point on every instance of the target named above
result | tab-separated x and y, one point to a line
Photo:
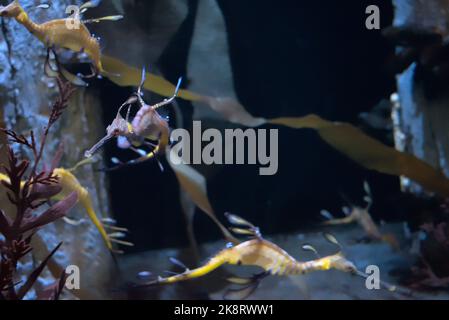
266	255
57	34
69	184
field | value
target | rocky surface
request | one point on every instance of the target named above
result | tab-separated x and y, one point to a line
422	123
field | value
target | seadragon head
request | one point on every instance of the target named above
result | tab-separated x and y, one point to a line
338	261
120	127
12	10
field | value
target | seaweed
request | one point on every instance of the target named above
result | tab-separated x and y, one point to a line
28	189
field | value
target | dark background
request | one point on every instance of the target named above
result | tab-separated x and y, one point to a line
289	58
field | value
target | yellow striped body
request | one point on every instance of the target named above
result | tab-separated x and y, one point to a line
276	261
266	255
56	33
210	266
69	184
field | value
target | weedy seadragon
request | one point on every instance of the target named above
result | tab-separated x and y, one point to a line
69	183
56	34
362	216
265	254
147	126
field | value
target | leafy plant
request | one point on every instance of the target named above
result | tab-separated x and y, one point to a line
28	189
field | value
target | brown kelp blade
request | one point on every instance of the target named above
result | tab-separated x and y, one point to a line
344	137
231	110
194	184
128	76
371	153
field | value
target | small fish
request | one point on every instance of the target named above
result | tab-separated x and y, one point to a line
240	281
248	232
124	243
88	5
308	247
107	18
346	210
43	6
331	238
109	220
115	160
326	214
366	187
178	263
117	235
238	221
74	222
144	274
138	151
367	199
